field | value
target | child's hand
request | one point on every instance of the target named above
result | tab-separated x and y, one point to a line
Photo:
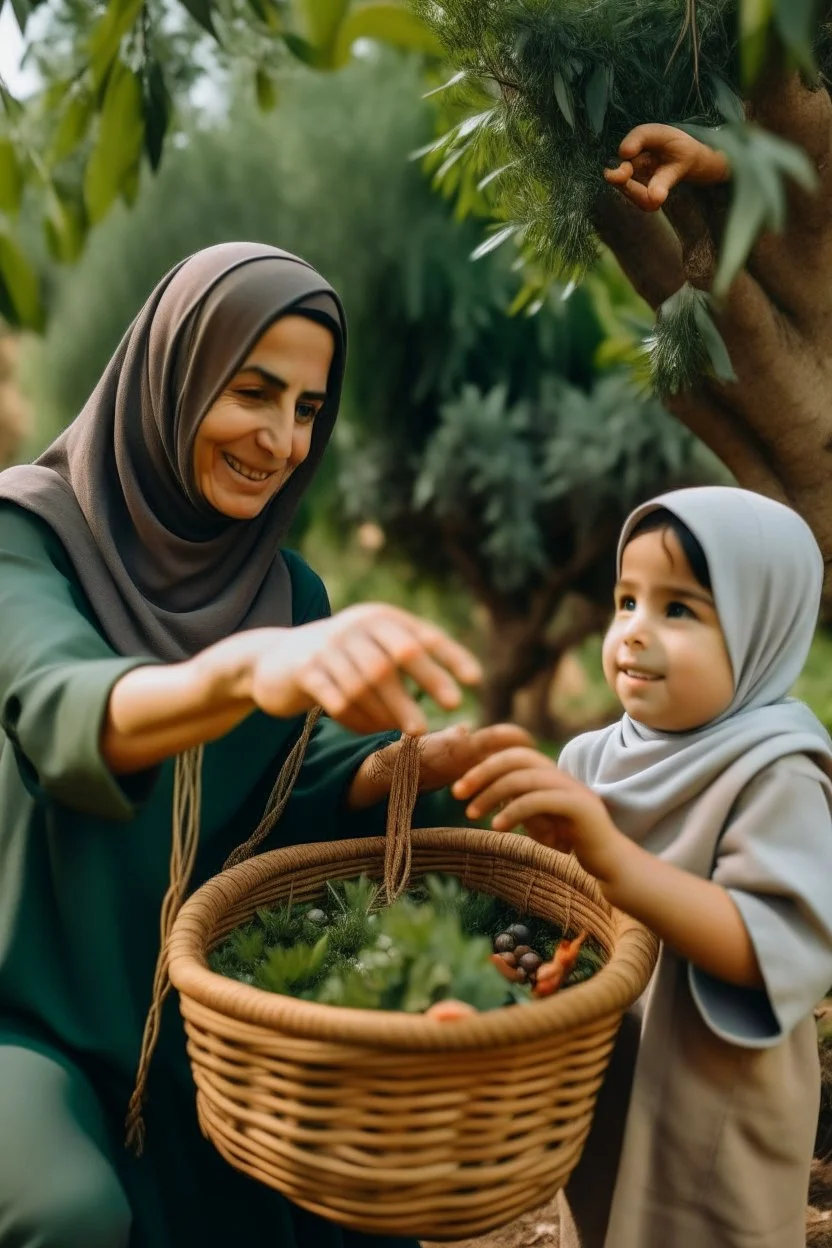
555	809
655	158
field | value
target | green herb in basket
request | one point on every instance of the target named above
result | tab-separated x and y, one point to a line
435	944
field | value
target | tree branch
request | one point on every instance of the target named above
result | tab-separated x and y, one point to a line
644	245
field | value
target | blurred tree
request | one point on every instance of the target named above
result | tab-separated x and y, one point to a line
112	71
484	446
741	344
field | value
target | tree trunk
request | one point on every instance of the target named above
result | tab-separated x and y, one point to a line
773	427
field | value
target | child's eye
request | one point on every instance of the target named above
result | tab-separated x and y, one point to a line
626	603
678	611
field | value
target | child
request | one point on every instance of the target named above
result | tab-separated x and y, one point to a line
706	813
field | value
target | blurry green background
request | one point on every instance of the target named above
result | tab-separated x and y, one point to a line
489	446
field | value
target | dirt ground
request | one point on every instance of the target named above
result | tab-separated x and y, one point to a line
538	1229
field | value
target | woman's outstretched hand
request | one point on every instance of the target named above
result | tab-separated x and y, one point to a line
354	665
655	158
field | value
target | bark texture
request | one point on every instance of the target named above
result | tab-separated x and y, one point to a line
773	426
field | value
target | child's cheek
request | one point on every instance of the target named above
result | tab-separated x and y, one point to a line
608	654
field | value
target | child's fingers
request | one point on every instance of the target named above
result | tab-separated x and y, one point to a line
515	759
621	175
663	182
527	805
640	196
650	135
515	784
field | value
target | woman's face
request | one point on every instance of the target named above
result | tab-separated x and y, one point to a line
665	655
259	429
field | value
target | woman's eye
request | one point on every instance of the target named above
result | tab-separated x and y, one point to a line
254	393
306	412
678	611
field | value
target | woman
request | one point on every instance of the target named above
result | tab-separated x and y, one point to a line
146	608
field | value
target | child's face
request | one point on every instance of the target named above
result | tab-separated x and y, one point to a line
664	655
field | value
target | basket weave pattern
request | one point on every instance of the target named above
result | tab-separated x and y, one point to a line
395	1123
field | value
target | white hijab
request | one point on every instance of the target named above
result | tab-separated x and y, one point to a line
766	577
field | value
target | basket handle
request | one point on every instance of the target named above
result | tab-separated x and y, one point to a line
404	790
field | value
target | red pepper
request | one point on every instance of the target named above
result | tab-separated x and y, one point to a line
551	975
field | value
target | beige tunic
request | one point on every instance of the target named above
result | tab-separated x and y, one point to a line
706	1122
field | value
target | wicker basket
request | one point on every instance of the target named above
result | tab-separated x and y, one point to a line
396	1123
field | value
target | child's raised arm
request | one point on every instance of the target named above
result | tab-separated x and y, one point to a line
695	917
655	158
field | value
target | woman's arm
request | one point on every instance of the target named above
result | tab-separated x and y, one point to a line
351	664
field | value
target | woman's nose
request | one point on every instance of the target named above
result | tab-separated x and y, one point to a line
275	435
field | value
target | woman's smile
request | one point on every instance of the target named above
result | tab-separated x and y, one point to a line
255	475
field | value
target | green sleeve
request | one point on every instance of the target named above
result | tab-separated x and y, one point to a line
56	673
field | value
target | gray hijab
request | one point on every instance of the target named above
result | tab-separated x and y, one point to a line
766	575
166	573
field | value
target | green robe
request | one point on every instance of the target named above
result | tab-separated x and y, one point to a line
84	864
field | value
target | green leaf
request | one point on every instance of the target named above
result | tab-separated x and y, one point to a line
726	99
156	107
795	21
20	300
597	96
200	11
386	21
265	90
11	178
459	76
64	226
108	33
269	14
119	143
563	95
304	51
321	20
22	10
129	188
755	20
494	241
73	125
720	360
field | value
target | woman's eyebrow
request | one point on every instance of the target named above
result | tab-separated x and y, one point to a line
272	379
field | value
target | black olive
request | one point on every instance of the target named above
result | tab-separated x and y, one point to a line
521	949
520	933
530	962
504	943
316	916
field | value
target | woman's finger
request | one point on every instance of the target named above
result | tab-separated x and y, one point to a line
405	651
328	694
377	686
455	658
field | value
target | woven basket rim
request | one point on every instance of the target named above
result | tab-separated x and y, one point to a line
609	991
